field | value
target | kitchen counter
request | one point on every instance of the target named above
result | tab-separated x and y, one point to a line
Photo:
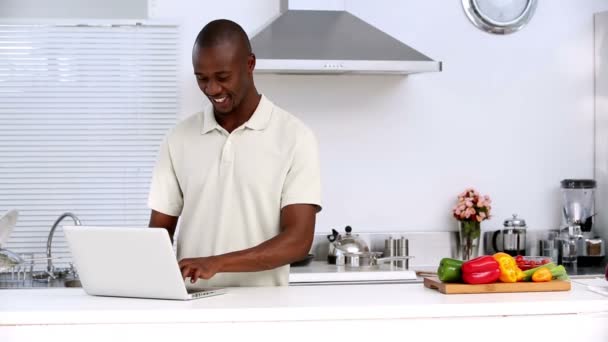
586	271
356	311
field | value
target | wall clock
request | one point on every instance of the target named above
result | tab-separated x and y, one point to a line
499	16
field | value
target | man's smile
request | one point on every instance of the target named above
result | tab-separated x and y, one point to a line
219	99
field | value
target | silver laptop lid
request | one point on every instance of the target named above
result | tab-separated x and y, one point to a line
126	262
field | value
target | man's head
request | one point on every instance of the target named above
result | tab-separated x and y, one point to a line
223	64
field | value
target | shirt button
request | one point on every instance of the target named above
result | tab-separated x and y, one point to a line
227	152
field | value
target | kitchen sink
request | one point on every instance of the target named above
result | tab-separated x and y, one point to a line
72	283
10	282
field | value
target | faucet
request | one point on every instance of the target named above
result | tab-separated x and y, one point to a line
49	267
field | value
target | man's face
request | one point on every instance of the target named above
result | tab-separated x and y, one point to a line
224	74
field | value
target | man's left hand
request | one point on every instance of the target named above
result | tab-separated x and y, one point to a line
199	268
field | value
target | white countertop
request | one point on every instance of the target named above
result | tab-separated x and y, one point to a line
301	303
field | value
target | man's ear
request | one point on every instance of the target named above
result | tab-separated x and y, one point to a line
250	62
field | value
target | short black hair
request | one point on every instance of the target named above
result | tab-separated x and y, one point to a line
221	31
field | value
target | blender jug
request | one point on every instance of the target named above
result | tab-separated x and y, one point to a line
578	197
578	200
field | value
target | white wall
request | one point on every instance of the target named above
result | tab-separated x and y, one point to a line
510	115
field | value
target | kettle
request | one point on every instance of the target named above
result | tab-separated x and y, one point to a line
513	237
339	245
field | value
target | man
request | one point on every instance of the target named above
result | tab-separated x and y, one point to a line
243	176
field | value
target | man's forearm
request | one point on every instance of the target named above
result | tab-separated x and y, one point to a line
291	244
278	251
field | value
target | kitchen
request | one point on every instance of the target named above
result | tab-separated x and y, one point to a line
522	105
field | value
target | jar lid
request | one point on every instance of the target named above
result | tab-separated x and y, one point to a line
578	184
515	222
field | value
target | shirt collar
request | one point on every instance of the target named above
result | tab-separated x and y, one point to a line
209	122
261	116
259	120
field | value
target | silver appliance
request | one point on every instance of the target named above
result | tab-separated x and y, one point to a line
579	243
339	245
512	237
302	40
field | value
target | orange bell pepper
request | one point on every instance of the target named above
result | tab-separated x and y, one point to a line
541	275
509	272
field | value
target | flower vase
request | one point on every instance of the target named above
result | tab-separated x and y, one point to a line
470	232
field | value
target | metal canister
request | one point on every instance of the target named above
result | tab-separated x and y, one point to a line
397	247
389	247
402	249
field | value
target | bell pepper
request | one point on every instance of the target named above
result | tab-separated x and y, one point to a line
520	274
481	270
541	275
449	270
528	273
509	272
557	272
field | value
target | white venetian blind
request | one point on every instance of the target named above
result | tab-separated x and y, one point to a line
83	110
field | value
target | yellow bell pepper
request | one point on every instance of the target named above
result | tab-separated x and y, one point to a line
509	272
520	274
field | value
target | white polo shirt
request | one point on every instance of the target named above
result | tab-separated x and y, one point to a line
229	189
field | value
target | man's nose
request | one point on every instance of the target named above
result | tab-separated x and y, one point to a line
212	88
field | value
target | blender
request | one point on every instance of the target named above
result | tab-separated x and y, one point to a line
579	244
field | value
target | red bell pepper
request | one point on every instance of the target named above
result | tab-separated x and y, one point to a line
481	270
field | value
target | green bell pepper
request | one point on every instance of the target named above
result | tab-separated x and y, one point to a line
449	270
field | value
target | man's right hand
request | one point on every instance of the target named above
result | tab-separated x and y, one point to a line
200	268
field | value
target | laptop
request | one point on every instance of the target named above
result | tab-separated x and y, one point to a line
129	262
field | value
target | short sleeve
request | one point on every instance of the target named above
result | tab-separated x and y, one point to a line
303	181
165	193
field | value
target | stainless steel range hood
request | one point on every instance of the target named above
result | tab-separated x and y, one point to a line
328	41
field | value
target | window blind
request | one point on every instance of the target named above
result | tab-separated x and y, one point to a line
83	110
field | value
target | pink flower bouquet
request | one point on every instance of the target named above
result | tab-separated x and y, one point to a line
472	206
471	209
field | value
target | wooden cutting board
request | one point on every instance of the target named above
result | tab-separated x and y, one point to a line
450	288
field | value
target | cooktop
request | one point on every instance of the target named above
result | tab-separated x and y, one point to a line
322	273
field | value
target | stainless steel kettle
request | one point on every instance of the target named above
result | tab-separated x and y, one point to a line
341	244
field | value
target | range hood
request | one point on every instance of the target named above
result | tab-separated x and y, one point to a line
332	41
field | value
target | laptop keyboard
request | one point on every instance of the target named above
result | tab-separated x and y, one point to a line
191	291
